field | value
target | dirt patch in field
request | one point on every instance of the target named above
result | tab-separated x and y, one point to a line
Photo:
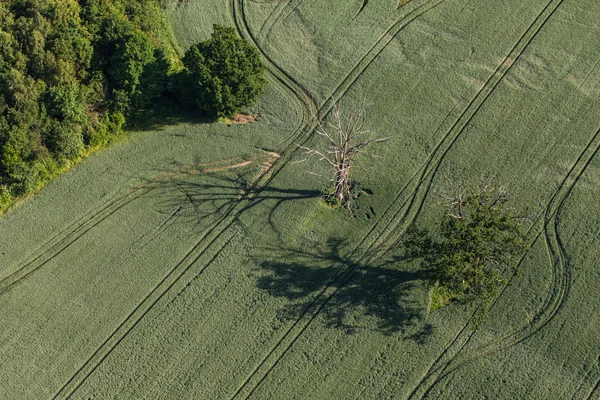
243	119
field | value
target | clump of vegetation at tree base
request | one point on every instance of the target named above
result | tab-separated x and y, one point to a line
222	74
476	251
72	73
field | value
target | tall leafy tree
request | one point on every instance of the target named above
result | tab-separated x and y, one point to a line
69	72
123	52
223	74
480	242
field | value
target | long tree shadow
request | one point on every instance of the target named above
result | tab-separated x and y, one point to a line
213	195
387	296
163	113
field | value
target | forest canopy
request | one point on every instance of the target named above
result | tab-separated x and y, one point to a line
70	74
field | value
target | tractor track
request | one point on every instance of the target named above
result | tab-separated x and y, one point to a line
64	240
343	274
431	167
227	220
500	72
593	390
72	233
561	273
172	281
273	17
133	319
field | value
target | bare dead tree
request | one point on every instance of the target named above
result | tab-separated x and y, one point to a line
345	141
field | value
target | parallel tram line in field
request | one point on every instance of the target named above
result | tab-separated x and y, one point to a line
561	274
203	249
428	171
165	286
554	302
75	231
231	215
70	235
227	220
344	274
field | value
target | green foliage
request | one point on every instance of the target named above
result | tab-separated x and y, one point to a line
440	297
65	139
223	74
122	54
65	103
69	74
480	241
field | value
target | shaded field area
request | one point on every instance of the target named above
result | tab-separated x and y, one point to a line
198	260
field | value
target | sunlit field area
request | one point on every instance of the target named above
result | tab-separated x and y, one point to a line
197	260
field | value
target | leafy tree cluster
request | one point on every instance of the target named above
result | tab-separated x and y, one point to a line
477	248
70	73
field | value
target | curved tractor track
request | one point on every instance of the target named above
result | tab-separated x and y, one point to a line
343	274
203	252
267	26
558	294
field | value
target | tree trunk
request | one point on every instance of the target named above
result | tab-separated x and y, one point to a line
341	186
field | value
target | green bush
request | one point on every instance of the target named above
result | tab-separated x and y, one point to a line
65	140
65	103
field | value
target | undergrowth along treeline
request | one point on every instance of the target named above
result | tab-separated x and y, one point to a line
72	73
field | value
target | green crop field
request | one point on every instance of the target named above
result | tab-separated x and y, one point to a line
195	260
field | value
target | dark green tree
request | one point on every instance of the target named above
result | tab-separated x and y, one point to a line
70	70
223	74
480	242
